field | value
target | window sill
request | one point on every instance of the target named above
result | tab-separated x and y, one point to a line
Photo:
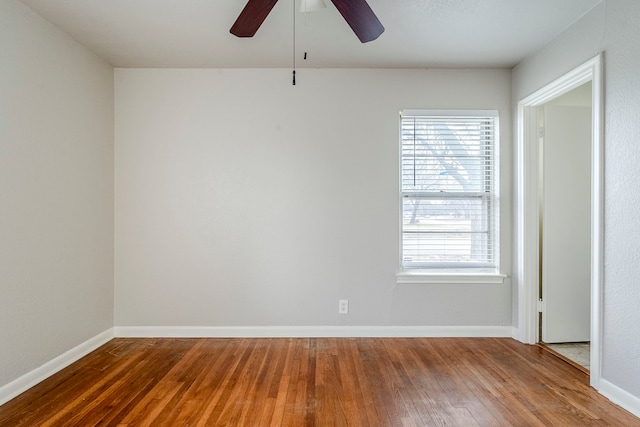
449	277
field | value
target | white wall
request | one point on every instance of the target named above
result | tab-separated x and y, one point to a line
242	200
56	192
614	28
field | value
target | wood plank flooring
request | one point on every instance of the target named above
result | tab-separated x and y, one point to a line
316	382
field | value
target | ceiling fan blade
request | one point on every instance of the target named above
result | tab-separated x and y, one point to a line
360	18
251	17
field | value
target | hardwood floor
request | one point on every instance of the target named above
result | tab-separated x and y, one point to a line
316	382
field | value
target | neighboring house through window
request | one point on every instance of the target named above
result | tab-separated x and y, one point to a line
449	191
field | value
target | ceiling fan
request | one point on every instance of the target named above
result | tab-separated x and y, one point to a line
357	13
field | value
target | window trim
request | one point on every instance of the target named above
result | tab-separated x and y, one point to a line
453	275
445	276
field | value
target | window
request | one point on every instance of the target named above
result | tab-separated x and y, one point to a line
449	191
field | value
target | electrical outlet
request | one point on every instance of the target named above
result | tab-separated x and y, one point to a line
343	306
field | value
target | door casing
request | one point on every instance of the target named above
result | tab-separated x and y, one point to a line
527	228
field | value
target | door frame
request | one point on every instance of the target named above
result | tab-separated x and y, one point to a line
527	227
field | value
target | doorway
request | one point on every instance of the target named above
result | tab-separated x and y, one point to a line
564	186
530	268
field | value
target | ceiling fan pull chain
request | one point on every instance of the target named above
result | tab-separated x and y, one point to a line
294	42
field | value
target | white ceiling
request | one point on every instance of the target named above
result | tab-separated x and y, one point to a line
419	33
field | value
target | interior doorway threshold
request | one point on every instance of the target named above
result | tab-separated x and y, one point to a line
571	353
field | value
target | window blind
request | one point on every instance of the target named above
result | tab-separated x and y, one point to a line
448	189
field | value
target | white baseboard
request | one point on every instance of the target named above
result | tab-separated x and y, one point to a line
28	380
620	397
515	333
310	331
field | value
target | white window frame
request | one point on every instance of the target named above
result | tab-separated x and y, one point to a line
456	274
